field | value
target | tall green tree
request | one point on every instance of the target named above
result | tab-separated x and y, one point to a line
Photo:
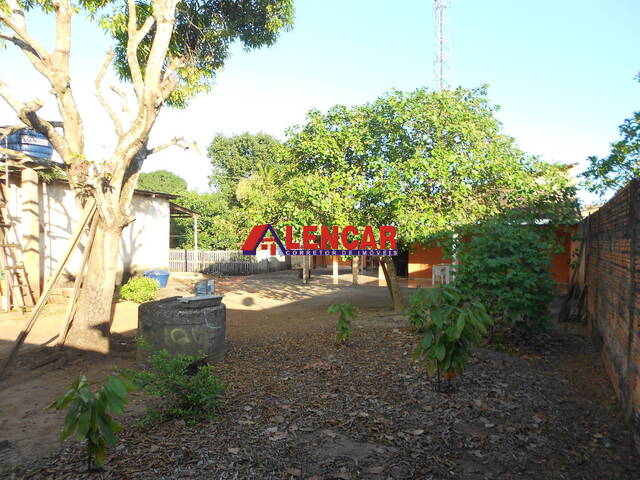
425	162
237	157
162	181
168	51
621	165
218	226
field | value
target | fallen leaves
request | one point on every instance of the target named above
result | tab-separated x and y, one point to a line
376	470
367	412
276	436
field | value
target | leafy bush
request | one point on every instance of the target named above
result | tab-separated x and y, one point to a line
90	414
453	325
186	384
346	312
506	267
418	310
140	289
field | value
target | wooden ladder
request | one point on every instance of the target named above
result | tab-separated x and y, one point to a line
17	289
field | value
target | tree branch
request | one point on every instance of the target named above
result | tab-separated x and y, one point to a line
6	131
55	68
178	142
22	159
62	46
123	98
18	42
135	37
27	113
60	78
17	23
114	118
164	11
133	142
169	78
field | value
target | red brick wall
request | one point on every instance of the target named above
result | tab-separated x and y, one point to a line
612	279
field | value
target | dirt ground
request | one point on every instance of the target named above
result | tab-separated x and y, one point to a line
299	407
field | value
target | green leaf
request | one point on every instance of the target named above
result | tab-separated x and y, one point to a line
84	422
70	421
104	424
427	341
460	324
437	317
116	386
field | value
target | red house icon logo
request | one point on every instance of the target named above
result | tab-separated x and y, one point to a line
257	241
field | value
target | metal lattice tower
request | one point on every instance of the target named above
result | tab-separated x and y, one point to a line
441	67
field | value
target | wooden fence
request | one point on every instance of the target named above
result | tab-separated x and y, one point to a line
222	262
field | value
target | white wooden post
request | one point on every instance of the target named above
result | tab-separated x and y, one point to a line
195	243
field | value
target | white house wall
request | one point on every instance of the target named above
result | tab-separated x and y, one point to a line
144	244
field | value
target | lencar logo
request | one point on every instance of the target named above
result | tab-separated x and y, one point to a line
323	241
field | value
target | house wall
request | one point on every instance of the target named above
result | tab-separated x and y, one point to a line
561	262
144	244
327	261
422	258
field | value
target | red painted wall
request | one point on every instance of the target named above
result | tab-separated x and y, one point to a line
422	258
561	262
327	261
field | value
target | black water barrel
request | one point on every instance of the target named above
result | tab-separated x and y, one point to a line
30	143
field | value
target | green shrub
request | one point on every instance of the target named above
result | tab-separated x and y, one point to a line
506	266
346	312
140	289
90	414
418	310
186	384
453	325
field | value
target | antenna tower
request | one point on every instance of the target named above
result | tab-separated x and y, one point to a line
442	69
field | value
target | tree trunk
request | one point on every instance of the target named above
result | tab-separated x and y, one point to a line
91	325
355	266
391	277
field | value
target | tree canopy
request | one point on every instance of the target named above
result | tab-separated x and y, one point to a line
424	161
162	181
202	34
237	157
622	164
217	224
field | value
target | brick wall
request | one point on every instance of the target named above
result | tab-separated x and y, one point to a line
612	280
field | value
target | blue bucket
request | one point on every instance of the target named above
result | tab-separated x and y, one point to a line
160	276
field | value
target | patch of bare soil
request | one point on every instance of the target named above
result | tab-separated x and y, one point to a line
299	407
41	373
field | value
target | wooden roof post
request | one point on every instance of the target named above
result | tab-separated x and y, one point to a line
31	228
195	243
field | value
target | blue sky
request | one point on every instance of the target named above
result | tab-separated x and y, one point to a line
562	72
